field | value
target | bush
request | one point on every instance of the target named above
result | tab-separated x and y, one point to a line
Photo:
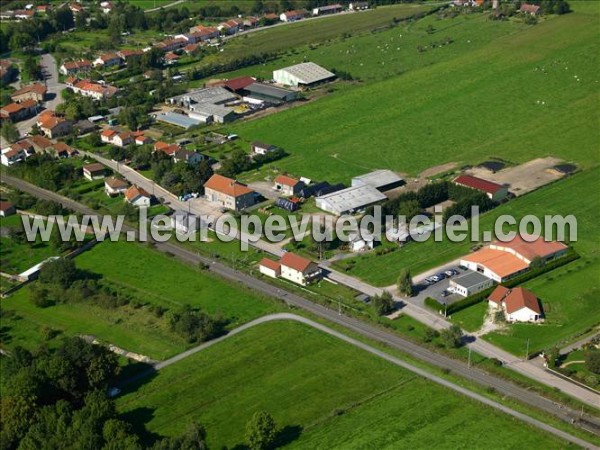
433	304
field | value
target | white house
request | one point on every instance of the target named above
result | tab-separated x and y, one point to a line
287	185
518	304
298	270
270	268
12	156
115	186
138	197
260	148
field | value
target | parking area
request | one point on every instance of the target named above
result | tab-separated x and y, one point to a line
438	290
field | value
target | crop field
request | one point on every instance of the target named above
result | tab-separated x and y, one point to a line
151	278
315	386
529	92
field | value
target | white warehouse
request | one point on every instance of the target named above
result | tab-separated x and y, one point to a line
304	74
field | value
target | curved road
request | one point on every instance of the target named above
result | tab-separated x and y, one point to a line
365	329
398	362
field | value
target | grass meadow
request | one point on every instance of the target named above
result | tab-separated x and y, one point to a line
322	392
150	278
476	98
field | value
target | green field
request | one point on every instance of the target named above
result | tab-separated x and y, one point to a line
151	278
464	102
339	396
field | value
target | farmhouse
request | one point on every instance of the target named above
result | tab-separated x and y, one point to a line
94	171
260	148
7	209
494	191
303	74
268	93
229	193
115	186
382	180
329	9
34	91
298	270
269	268
470	283
292	16
287	185
138	197
501	261
349	200
518	304
73	67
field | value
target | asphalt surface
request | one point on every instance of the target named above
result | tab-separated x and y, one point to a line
504	387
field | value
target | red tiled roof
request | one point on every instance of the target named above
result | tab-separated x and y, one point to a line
134	192
286	181
108	133
94	167
12	108
38	88
519	298
40	141
529	8
498	294
115	183
538	247
295	262
227	186
270	264
5	206
238	83
478	183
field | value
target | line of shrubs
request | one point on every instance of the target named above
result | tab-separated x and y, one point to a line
572	255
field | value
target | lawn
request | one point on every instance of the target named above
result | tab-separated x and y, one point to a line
338	396
150	278
494	74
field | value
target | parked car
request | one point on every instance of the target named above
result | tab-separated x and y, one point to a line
449	273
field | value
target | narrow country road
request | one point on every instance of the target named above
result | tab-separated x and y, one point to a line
392	359
365	329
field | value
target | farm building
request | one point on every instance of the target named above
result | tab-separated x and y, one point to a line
319	189
268	93
287	204
287	185
229	193
213	95
349	200
501	261
494	191
180	120
94	171
470	283
212	113
358	6
329	9
303	74
518	304
382	180
237	84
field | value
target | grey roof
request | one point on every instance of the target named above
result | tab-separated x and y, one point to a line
209	109
352	198
470	279
377	179
271	91
177	119
207	95
308	72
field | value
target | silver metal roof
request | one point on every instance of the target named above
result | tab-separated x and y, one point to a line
377	178
308	72
470	279
352	198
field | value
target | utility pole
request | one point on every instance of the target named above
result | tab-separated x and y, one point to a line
527	352
469	361
339	307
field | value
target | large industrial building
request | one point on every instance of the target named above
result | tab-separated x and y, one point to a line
302	75
207	105
501	261
382	180
350	200
268	93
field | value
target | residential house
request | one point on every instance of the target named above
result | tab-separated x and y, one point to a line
230	27
88	88
518	304
40	143
123	139
292	16
229	193
12	155
328	9
141	139
298	269
15	112
62	150
167	149
106	7
171	58
75	8
107	60
108	135
84	126
202	33
260	148
528	8
115	186
170	45
24	14
269	268
42	9
250	22
287	185
138	197
127	55
94	171
358	6
187	156
54	126
190	48
73	67
36	91
7	209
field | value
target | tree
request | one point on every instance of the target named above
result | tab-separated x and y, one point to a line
537	263
261	431
452	337
405	284
592	360
9	132
17	414
61	272
383	304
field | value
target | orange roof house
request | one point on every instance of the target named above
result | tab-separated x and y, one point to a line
229	193
518	304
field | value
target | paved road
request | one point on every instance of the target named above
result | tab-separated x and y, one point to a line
579	343
168	5
367	330
392	359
